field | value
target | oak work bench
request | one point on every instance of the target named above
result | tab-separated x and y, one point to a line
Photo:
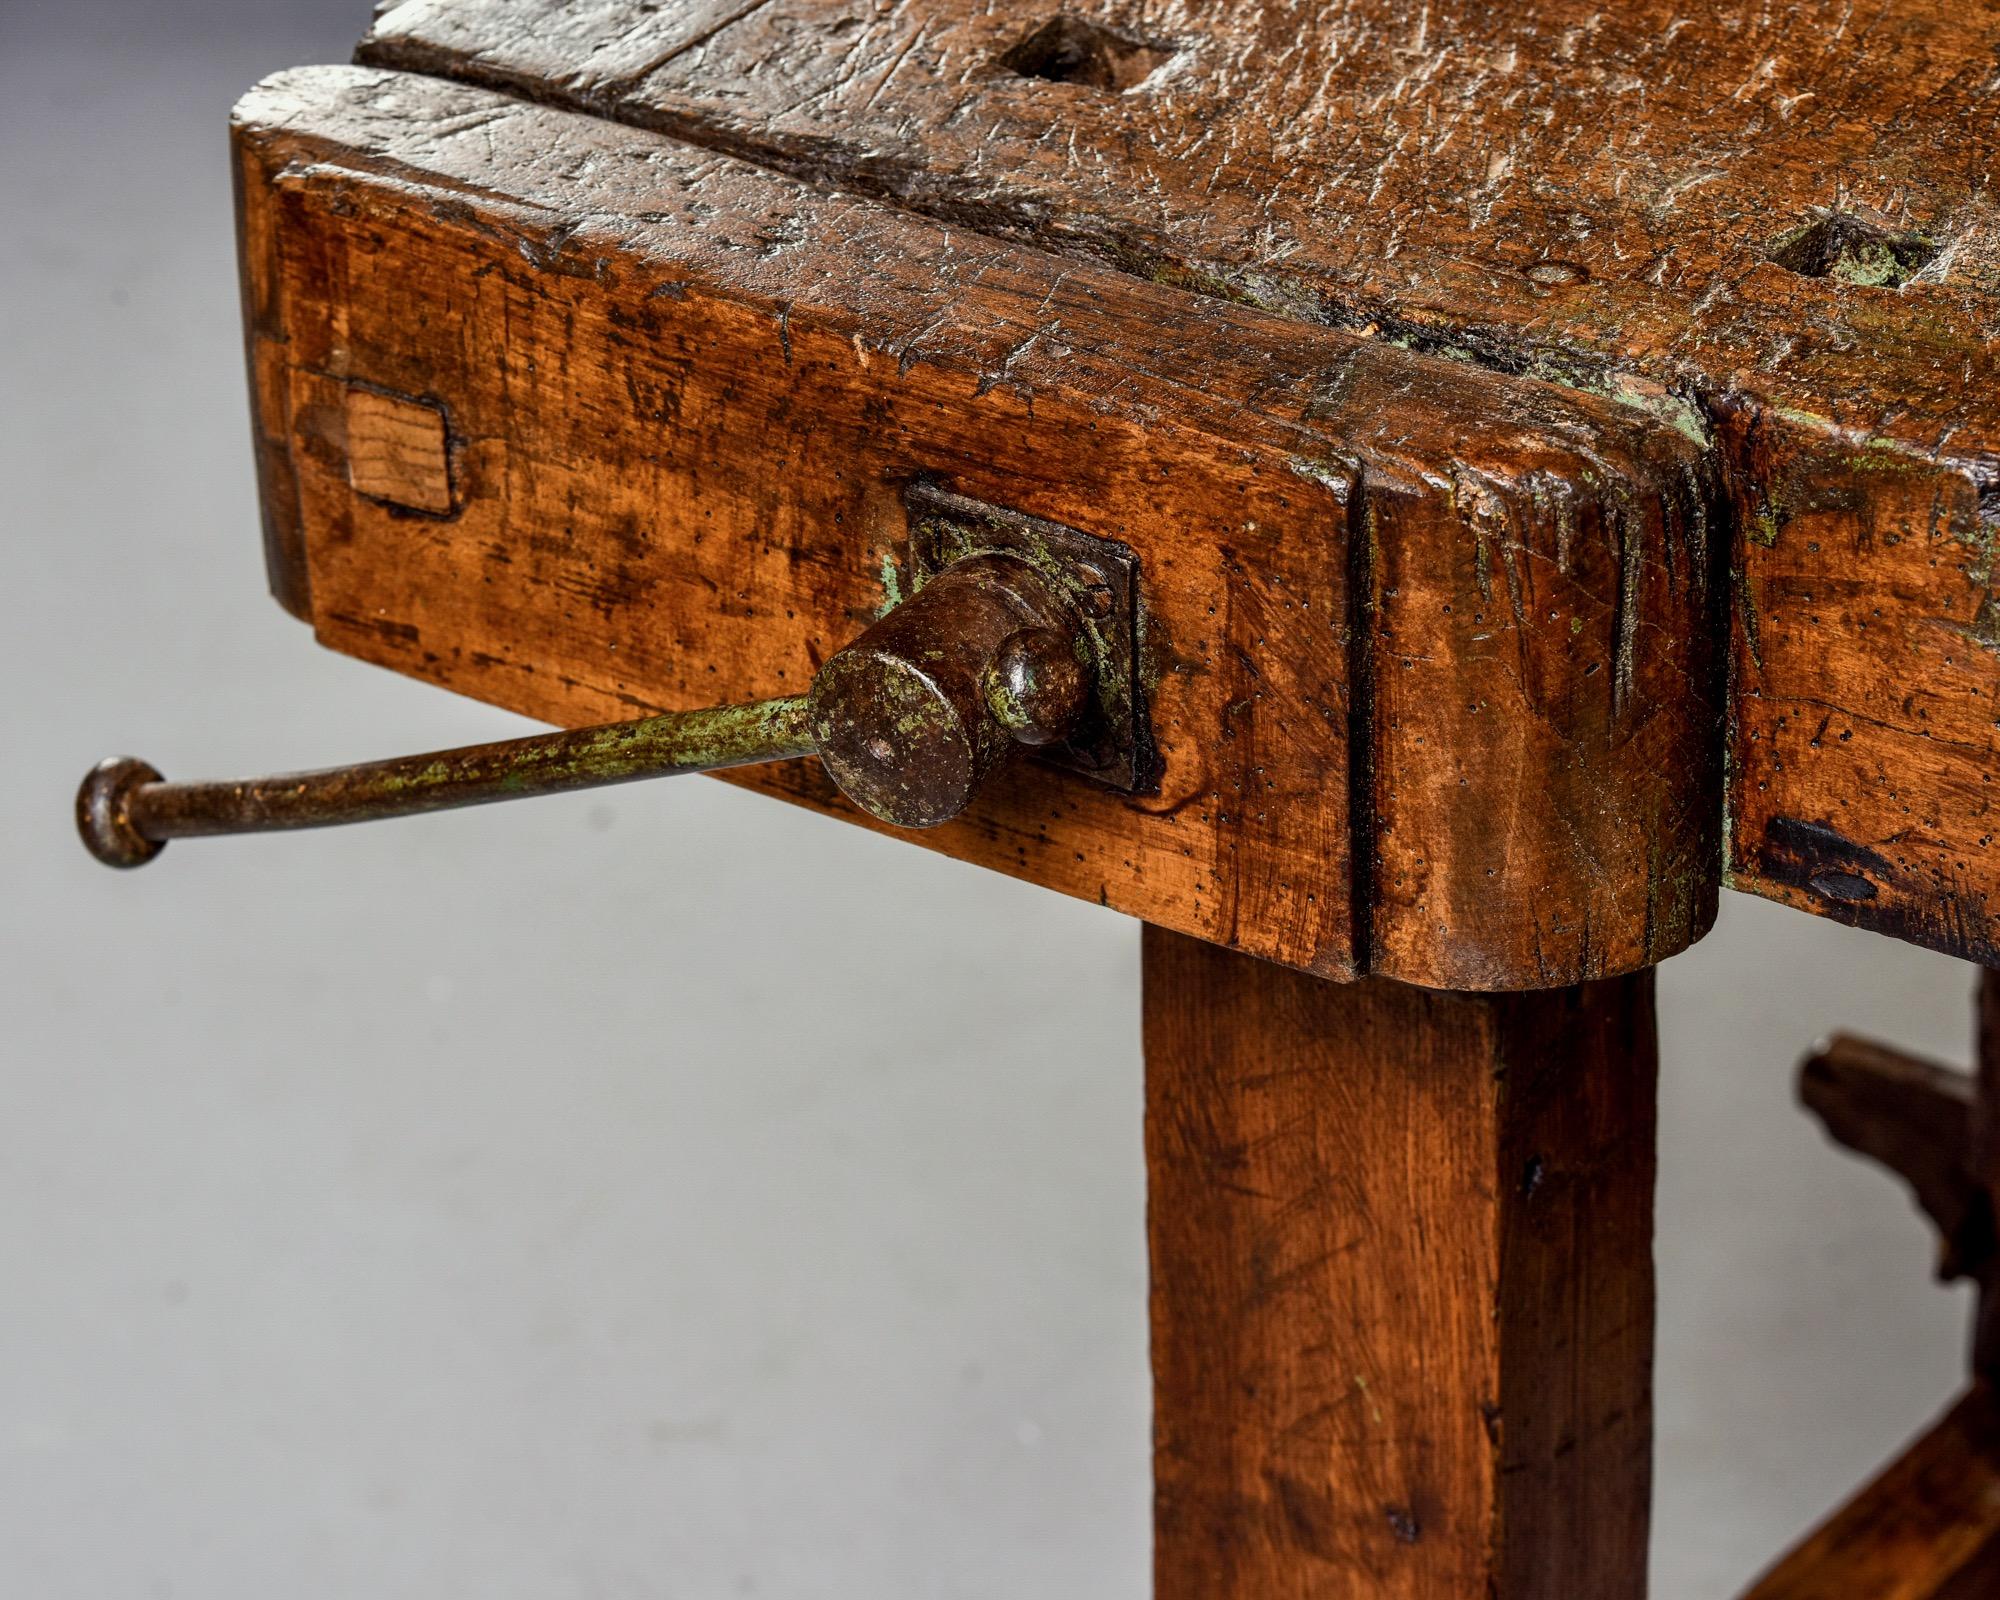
1409	500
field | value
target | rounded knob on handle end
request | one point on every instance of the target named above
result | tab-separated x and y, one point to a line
104	812
1035	686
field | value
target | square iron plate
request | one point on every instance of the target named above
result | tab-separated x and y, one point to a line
1101	577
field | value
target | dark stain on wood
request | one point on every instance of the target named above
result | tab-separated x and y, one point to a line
1812	856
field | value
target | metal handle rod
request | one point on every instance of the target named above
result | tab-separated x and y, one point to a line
126	811
908	720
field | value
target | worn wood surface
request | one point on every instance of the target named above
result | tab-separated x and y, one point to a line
1867	684
1433	653
1771	224
1402	1284
1470	381
1927	1529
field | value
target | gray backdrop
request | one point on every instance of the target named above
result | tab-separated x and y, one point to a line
666	1193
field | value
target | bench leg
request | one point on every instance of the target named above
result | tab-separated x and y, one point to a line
1928	1526
1402	1285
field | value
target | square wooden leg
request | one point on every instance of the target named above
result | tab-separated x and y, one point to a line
1402	1284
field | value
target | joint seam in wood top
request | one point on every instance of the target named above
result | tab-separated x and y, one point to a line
1578	371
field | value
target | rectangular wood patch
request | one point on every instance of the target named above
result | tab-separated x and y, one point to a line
396	451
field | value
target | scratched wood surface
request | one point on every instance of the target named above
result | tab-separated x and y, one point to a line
1402	1284
1770	224
1433	653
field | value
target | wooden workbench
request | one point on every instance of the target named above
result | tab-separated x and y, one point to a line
1560	450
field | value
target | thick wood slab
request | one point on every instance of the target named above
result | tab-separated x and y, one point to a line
1927	1529
1867	682
1602	187
1772	224
1402	1285
1433	653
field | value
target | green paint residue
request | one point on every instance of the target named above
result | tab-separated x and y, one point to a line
892	584
1327	474
1682	415
1873	266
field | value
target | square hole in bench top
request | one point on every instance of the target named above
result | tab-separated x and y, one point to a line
1836	244
1072	50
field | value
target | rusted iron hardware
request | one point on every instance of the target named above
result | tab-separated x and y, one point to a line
1112	742
997	649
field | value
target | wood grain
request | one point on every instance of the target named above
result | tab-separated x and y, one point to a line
1867	673
1390	599
1928	1528
397	451
1402	1284
1611	184
1771	224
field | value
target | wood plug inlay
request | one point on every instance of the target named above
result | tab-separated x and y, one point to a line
397	451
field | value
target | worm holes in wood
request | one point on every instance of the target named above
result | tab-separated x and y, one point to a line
1072	50
1836	244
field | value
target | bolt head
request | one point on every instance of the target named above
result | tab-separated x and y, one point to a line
1035	687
